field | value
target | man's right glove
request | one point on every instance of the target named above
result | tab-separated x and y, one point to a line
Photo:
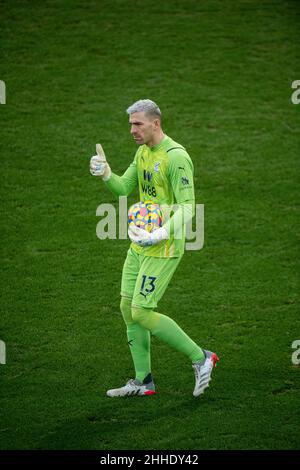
99	165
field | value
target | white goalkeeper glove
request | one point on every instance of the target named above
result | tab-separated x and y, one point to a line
143	238
99	165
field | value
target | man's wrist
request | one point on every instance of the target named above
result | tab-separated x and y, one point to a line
160	234
107	174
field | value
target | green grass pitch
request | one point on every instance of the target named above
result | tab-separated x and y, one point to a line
222	73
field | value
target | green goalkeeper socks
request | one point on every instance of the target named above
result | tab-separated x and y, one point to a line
138	341
140	322
168	331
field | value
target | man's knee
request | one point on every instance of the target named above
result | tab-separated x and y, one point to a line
138	314
145	317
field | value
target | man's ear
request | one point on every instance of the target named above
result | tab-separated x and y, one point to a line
156	123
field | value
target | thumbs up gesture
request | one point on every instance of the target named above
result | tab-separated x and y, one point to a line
99	165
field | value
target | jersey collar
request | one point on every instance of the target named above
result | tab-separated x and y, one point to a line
160	144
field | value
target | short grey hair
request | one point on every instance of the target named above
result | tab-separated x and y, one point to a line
147	106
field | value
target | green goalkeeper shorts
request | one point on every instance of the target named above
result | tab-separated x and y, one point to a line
145	278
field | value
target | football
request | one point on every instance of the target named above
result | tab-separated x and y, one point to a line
146	215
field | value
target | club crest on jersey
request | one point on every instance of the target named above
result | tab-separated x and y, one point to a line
156	167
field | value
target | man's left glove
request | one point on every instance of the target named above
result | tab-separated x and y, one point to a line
99	165
143	238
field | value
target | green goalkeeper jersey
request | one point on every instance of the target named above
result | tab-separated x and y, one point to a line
164	175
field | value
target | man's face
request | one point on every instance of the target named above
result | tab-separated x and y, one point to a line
142	128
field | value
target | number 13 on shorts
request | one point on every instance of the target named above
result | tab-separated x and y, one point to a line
147	285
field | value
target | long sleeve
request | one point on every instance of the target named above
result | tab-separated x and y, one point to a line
183	213
125	184
181	175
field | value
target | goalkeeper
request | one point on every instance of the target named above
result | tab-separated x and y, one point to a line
163	172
